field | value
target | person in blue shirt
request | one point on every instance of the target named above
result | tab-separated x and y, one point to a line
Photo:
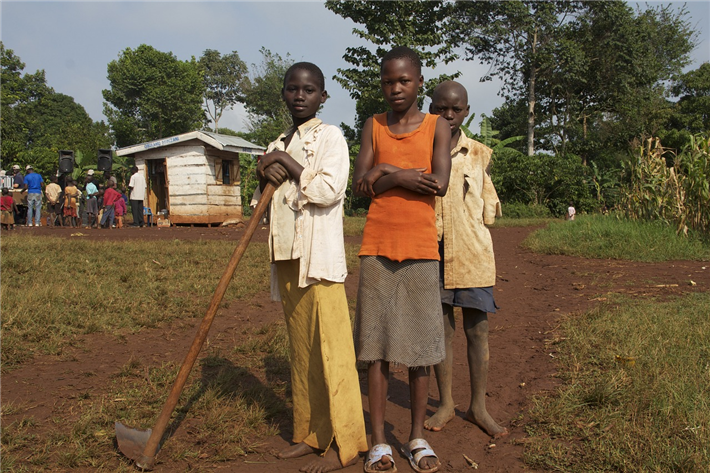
33	184
92	204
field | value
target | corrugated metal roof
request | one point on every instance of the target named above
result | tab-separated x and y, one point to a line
229	140
222	142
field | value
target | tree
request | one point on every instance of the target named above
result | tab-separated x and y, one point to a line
267	112
38	122
152	95
223	77
626	58
517	39
693	109
416	24
592	73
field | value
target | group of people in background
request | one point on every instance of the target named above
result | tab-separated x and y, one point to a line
98	203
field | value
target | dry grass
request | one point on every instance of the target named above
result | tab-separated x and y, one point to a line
234	400
56	289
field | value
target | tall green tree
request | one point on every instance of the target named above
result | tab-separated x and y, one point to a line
267	114
224	79
517	38
618	89
153	95
693	108
416	24
37	122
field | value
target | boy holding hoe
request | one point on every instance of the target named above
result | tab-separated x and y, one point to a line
402	165
309	164
467	266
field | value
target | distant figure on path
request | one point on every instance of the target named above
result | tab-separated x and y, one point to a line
71	198
571	212
92	200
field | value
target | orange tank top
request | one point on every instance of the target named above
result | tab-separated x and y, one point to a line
401	224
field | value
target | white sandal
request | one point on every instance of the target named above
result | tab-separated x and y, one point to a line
423	450
375	454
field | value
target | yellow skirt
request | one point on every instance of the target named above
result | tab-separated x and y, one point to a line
327	403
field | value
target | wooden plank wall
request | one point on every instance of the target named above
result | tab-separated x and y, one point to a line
195	196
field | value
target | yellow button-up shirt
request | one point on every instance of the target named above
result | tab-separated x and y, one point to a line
470	204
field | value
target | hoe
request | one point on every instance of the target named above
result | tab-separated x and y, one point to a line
142	445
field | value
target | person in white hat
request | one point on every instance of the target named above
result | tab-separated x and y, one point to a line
18	180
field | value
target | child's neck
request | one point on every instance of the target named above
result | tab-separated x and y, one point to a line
405	122
296	123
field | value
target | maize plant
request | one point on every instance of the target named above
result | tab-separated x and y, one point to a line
676	192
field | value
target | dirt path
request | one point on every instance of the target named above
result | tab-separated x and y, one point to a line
532	291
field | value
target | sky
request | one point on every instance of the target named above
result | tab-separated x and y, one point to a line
74	41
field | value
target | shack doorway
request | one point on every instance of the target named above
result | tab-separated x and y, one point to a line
157	198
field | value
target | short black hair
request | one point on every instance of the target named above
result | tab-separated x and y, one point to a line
310	67
5	191
403	52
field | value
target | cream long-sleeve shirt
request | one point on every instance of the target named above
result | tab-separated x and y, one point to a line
462	214
52	192
307	216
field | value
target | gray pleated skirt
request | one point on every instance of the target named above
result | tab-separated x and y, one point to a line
398	316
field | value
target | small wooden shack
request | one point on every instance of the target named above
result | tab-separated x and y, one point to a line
194	176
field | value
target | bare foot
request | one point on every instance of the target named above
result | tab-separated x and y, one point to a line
442	417
328	462
295	451
487	424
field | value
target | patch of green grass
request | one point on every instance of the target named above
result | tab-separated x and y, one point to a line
600	236
353	226
635	393
56	289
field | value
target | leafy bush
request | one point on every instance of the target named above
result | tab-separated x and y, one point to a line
542	179
520	210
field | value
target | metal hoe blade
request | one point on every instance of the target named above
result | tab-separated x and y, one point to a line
132	442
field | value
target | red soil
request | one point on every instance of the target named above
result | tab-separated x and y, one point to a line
532	290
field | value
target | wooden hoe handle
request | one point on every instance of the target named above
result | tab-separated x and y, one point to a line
147	459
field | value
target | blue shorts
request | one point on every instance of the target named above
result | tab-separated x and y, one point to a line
480	298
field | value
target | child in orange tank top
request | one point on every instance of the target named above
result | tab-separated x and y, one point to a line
403	164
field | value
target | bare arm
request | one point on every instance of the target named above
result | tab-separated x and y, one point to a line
441	161
436	182
364	161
